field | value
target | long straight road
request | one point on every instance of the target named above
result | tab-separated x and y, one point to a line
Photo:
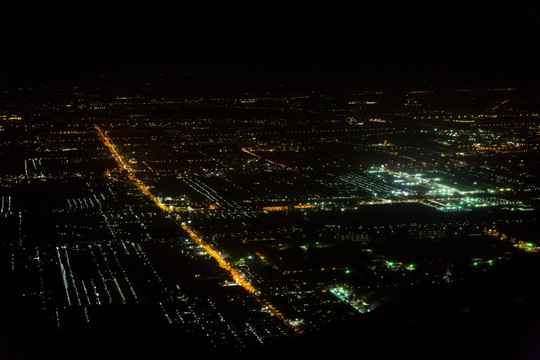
240	278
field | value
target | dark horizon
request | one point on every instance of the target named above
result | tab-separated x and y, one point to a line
47	43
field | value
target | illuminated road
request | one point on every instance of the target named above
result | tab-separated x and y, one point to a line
248	151
130	172
499	105
238	276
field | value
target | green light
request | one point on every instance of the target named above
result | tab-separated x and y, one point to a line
390	263
490	261
348	271
411	266
475	263
512	209
530	244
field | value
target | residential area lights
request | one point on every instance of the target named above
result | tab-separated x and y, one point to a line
238	276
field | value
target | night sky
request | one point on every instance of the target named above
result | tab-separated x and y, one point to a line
43	42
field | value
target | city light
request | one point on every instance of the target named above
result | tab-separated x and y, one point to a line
238	221
238	277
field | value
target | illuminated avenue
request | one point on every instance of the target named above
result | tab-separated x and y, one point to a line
238	277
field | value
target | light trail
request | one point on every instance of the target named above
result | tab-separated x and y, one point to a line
238	276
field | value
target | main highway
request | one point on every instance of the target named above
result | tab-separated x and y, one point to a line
236	274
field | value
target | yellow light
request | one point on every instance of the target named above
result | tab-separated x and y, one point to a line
238	277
